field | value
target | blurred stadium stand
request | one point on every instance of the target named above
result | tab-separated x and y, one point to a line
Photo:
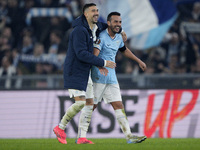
33	45
126	81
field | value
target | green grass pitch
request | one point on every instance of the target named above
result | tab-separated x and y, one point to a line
101	144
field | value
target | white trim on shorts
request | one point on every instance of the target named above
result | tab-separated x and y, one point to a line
88	94
108	92
75	93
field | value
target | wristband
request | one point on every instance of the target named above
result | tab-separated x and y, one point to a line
105	62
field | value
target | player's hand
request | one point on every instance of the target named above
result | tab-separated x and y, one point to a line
110	64
124	36
103	71
142	65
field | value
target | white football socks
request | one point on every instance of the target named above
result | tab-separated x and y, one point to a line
70	113
123	122
84	120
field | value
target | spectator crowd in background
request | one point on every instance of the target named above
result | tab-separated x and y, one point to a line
179	51
40	47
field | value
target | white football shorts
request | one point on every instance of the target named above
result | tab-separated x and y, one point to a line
88	94
108	92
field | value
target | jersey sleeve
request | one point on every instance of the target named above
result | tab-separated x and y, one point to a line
122	47
122	43
98	43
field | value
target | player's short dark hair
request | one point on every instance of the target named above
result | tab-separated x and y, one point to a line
86	6
112	14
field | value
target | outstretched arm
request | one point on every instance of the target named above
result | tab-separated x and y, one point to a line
130	55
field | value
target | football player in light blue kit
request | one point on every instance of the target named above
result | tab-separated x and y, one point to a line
107	87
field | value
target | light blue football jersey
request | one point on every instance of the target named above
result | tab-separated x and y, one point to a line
108	49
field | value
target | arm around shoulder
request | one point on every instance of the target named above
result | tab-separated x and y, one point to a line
81	47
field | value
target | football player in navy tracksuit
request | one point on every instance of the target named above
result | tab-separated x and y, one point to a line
77	65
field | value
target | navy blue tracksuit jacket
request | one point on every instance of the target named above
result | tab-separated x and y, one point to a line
79	57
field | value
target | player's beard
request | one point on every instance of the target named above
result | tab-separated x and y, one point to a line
114	29
95	19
